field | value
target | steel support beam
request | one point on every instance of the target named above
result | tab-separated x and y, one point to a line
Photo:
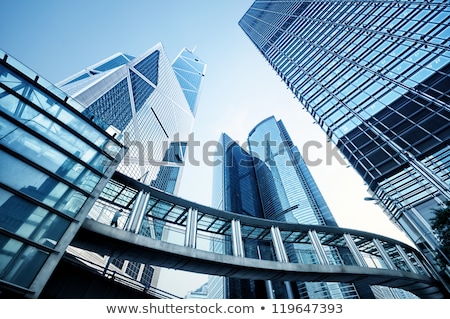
190	236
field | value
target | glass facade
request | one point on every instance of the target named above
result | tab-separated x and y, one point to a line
54	161
283	175
235	190
289	193
190	71
271	181
147	101
375	77
150	104
235	180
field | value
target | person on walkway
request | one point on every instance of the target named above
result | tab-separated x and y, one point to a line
115	218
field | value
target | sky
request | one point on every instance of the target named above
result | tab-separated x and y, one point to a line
59	38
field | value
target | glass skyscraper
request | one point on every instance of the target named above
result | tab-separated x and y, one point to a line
149	104
54	164
375	76
272	181
147	101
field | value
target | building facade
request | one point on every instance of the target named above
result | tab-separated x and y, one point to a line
270	180
147	101
55	162
375	76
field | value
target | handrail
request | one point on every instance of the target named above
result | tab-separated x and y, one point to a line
292	251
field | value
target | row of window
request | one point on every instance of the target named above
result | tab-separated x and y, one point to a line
52	160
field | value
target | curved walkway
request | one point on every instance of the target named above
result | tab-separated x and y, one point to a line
247	248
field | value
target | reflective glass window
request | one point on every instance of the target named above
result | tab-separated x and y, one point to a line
30	221
40	186
43	154
19	263
53	131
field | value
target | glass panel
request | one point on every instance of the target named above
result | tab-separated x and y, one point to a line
30	221
39	186
19	263
54	132
43	154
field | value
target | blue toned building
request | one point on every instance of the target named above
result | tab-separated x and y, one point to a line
375	76
190	72
289	193
235	190
150	104
235	180
282	174
271	180
147	101
54	164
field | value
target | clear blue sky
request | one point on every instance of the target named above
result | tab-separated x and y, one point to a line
57	38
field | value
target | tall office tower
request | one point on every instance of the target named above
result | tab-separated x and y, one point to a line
149	102
375	77
272	181
54	164
235	190
235	177
282	174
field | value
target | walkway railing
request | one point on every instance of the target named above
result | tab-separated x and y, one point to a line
166	218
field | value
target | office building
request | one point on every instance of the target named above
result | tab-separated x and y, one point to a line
147	101
272	181
55	162
375	76
150	105
59	194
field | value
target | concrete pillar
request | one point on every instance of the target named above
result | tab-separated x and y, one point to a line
406	259
133	212
317	245
269	290
236	238
354	250
190	236
137	212
384	254
278	245
281	254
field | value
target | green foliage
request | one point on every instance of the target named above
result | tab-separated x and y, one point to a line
441	224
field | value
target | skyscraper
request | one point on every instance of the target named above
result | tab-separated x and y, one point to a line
150	105
147	101
375	77
272	181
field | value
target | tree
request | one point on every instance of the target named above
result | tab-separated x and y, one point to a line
441	224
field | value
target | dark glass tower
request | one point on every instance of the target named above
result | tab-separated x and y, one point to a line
272	181
235	180
375	77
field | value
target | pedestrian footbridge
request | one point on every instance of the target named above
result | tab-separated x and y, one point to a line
164	230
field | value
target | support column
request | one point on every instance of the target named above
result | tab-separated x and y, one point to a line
236	238
278	245
384	254
317	245
363	289
269	290
406	259
281	254
355	251
190	236
138	211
